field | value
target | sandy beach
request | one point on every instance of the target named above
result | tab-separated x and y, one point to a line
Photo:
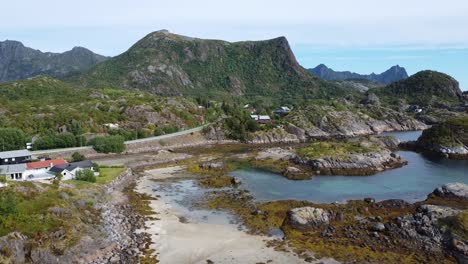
177	241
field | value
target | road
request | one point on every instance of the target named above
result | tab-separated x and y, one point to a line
176	134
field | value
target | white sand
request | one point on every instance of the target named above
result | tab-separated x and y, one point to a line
178	242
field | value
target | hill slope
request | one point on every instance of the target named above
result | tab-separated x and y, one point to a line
169	64
391	75
20	62
424	88
40	105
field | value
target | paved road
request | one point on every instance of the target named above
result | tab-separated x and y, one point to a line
176	134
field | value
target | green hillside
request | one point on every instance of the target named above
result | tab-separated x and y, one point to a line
168	64
41	105
423	88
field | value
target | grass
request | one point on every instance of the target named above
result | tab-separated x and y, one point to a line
26	208
106	175
335	149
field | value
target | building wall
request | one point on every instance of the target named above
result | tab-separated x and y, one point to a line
16	160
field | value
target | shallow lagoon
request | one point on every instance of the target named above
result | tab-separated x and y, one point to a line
412	182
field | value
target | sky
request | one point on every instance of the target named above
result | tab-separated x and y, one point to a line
363	36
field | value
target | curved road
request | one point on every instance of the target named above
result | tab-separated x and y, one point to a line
176	134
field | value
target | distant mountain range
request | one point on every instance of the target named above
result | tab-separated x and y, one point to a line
20	62
395	73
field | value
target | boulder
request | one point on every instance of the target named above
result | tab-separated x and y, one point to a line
378	227
455	190
308	217
213	165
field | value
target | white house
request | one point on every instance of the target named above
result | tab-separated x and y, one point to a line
261	119
69	170
13	171
40	169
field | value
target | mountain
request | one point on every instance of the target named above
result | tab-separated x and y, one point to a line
393	74
20	62
169	64
424	88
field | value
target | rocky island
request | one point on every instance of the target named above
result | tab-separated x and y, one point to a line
448	139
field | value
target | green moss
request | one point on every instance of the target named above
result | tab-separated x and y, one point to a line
334	149
222	181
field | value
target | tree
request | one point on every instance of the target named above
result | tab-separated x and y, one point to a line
12	139
76	157
85	175
109	144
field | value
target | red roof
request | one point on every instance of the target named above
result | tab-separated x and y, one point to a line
45	164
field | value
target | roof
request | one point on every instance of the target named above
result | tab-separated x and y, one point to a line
260	117
13	168
15	154
45	163
86	164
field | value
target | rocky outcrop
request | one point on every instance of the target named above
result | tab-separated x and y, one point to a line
448	139
215	165
308	217
316	121
354	164
452	191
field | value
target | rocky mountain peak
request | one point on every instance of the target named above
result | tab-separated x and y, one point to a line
20	62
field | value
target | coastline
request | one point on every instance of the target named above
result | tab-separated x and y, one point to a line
178	241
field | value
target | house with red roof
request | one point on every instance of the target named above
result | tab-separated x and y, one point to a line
40	169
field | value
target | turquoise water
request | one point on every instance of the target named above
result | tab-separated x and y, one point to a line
412	182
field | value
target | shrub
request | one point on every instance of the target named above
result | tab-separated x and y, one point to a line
12	138
110	144
76	157
85	175
3	179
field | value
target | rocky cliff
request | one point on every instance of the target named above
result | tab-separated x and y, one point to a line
20	62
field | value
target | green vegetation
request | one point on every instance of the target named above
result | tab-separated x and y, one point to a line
335	149
260	69
423	88
450	133
76	157
109	144
221	181
40	210
85	175
41	105
108	174
239	126
65	140
12	139
362	248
